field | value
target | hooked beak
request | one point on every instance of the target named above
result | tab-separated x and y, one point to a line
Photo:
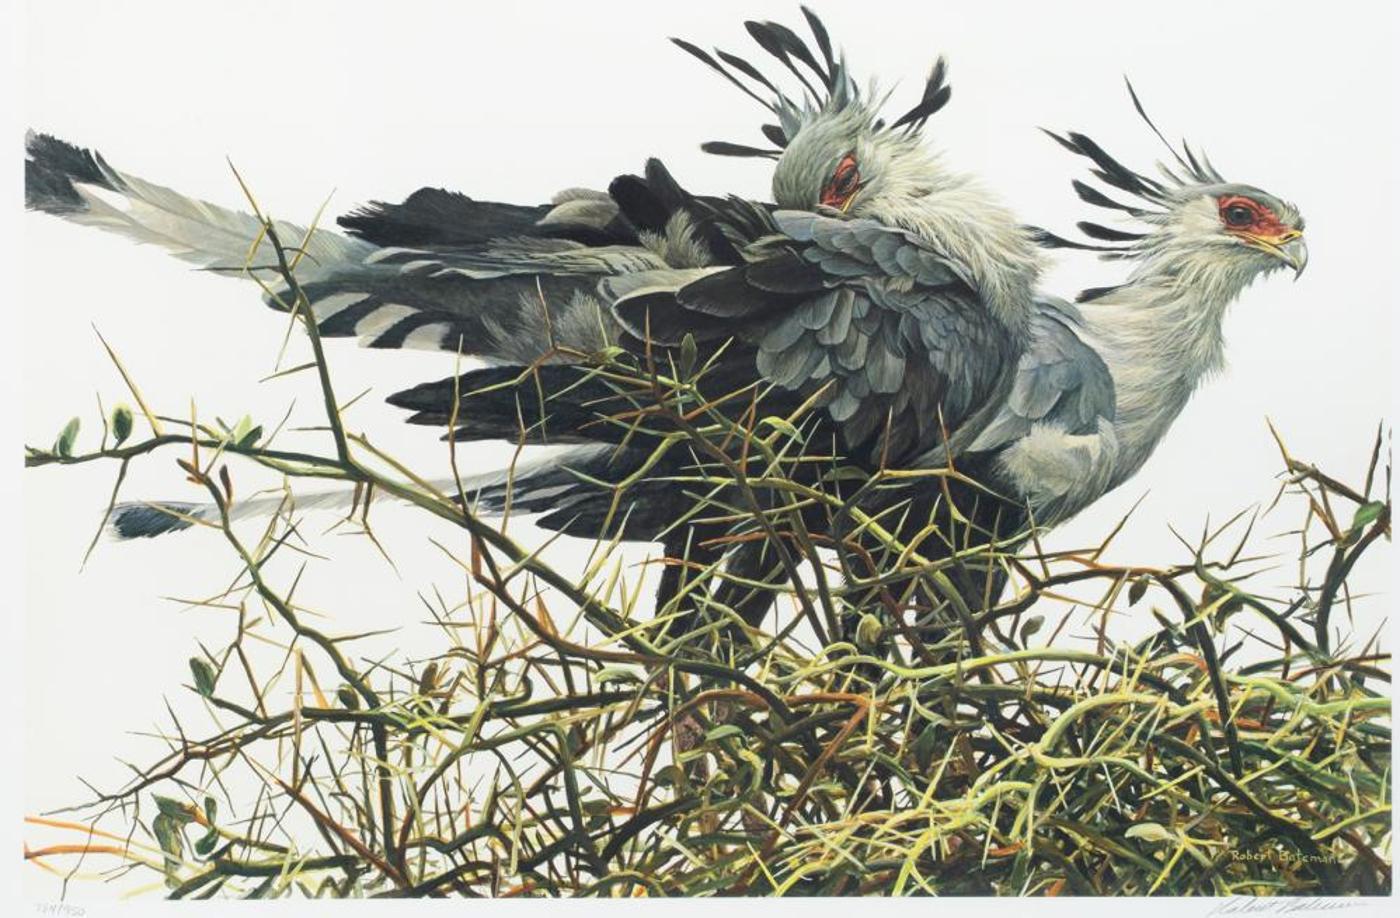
838	204
1295	253
1288	248
845	206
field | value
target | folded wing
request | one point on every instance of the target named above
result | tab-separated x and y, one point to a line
888	332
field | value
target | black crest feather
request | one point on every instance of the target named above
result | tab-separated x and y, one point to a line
1107	234
823	43
1091	195
936	95
783	43
1189	169
725	148
799	58
704	57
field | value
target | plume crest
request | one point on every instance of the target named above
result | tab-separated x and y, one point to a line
825	79
1154	197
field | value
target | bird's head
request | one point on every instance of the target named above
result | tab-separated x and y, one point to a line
834	151
843	160
1191	217
1239	224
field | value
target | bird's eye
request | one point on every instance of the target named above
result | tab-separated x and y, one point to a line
843	184
846	175
1238	215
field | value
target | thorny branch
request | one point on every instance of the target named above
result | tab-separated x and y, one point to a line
560	744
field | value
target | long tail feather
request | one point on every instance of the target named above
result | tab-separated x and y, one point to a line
528	483
80	186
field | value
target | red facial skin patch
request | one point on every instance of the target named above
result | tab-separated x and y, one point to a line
845	181
1266	223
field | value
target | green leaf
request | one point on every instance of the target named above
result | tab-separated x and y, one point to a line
250	439
122	420
204	676
1136	590
616	674
245	434
167	832
846	473
668	776
211	810
723	732
67	437
171	808
347	698
204	846
782	425
1150	832
1031	626
1366	514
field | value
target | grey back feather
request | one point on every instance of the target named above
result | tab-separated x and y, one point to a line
1060	380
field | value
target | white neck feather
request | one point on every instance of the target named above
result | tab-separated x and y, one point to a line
1160	334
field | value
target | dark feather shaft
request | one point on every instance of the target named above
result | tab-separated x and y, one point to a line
823	44
725	148
704	57
771	38
1107	234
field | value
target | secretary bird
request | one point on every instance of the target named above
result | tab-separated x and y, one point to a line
893	296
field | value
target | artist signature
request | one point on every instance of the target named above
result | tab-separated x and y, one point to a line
1248	905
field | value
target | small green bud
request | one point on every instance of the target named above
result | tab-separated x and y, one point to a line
1137	590
122	420
689	355
347	697
204	676
67	437
868	631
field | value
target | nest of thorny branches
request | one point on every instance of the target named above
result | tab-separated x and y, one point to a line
562	743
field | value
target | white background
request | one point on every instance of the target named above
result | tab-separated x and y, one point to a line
515	101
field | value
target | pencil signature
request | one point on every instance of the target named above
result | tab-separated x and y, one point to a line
1250	905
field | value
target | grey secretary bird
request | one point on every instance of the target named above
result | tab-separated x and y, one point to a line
897	293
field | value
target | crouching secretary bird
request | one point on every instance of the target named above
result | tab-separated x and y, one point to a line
895	295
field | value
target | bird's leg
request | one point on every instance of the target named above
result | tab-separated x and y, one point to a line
751	561
685	557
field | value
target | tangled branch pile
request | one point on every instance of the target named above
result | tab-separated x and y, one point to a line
890	731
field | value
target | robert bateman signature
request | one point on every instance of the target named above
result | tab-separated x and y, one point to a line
1249	905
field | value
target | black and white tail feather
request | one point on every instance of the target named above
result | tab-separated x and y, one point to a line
79	185
439	271
505	283
551	485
